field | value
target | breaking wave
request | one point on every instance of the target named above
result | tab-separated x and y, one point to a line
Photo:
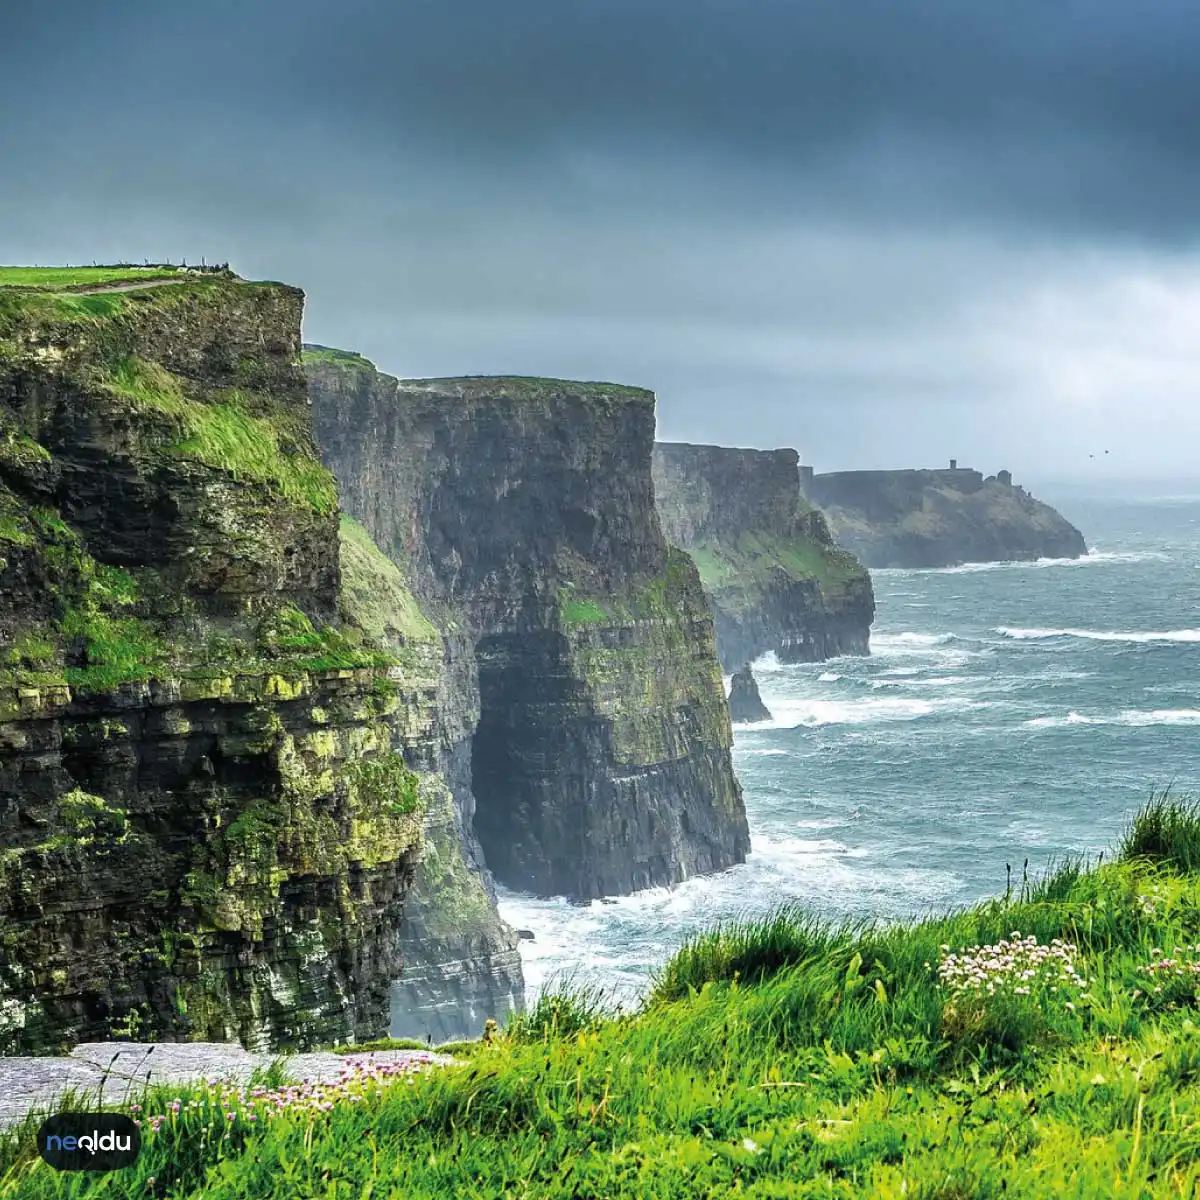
1101	635
809	713
1092	558
1135	718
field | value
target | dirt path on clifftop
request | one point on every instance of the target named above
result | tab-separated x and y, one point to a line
90	289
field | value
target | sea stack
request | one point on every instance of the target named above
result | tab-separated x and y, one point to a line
745	704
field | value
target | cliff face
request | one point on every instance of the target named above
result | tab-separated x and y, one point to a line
207	822
941	518
774	576
460	962
601	760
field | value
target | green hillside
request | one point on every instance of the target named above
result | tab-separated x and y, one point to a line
1041	1044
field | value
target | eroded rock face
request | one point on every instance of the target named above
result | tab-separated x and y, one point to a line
460	963
601	761
745	704
208	825
941	518
772	572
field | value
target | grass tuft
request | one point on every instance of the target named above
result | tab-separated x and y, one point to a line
1166	831
564	1010
54	278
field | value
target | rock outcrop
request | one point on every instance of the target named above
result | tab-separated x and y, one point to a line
772	572
524	507
212	766
923	518
745	704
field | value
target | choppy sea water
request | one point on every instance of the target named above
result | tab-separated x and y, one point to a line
1008	711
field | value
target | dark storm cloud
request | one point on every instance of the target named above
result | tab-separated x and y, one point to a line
1081	116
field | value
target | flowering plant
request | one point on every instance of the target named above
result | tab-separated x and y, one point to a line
1171	978
1015	966
227	1106
1003	993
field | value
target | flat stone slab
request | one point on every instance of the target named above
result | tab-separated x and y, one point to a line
27	1084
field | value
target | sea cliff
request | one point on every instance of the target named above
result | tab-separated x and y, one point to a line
601	760
920	518
459	960
773	574
218	715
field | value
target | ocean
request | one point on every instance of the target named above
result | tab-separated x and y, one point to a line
1007	712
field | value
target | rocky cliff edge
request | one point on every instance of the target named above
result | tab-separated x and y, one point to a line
773	574
601	762
212	772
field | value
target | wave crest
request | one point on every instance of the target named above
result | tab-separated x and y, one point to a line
1100	635
1134	718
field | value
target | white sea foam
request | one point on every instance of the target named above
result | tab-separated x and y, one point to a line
1072	718
792	713
1101	635
822	823
1134	718
942	649
890	641
795	847
1094	558
828	677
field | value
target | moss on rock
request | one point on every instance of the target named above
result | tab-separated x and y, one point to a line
207	816
769	566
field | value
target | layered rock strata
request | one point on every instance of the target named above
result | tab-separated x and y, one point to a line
208	819
460	963
770	568
941	518
601	761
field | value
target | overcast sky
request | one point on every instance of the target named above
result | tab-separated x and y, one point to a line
884	232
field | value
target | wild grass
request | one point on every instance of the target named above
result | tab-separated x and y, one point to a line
375	593
784	1058
54	278
248	447
1167	830
224	434
738	569
327	356
583	612
288	635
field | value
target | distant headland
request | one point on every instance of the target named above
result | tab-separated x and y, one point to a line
939	518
